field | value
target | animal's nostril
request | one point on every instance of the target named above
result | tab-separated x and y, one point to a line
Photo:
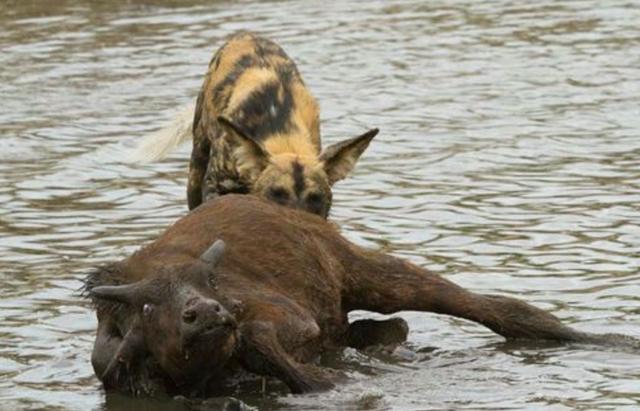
217	308
228	321
189	316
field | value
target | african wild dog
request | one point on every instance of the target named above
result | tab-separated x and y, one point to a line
256	130
185	313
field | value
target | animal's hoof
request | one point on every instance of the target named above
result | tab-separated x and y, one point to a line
366	333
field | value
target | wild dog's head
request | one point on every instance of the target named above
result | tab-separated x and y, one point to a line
293	180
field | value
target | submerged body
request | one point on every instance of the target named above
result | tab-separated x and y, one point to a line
275	299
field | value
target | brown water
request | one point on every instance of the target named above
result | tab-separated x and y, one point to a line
508	161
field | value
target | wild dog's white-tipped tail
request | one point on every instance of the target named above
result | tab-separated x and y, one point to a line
158	145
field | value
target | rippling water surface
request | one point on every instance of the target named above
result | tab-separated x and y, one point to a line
508	161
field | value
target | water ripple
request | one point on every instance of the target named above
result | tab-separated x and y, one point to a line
508	161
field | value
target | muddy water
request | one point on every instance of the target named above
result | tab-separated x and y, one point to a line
509	161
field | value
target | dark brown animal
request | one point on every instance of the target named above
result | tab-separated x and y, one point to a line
182	314
256	129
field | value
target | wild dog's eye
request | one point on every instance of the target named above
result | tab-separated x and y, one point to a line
279	195
315	203
315	199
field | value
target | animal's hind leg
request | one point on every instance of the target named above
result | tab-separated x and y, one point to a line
386	285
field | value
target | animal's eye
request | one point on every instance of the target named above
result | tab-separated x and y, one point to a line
315	199
147	310
315	203
279	195
212	283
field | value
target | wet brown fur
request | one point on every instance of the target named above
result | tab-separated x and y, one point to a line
253	84
296	279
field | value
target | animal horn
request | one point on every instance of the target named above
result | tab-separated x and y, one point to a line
214	253
126	293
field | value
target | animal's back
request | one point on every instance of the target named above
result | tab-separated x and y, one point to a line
252	81
298	253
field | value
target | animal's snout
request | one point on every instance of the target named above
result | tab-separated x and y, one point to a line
199	309
203	313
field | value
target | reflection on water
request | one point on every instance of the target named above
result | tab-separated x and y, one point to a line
509	161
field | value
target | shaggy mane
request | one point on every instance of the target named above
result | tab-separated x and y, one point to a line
108	274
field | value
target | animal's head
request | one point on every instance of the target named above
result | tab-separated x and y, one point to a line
181	320
296	181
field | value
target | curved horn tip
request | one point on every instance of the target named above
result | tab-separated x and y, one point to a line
213	254
122	293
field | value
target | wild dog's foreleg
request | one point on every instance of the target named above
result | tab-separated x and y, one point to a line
385	284
261	352
197	170
199	158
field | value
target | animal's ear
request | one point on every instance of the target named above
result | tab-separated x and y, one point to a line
125	293
340	158
252	157
213	255
123	370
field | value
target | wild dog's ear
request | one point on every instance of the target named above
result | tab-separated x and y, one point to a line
339	159
127	369
252	157
115	375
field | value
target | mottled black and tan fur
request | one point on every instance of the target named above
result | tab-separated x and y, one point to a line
256	130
